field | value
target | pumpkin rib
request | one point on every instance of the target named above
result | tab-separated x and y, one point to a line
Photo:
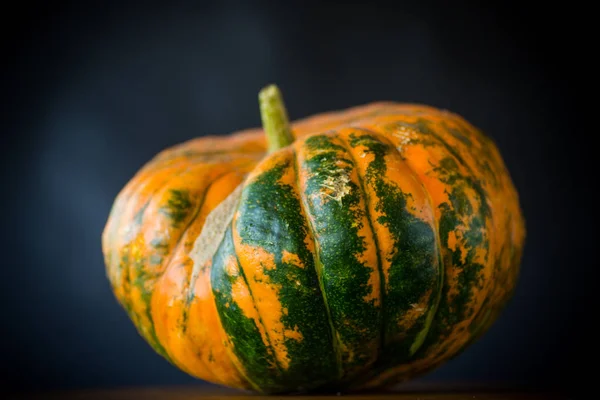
482	197
317	261
382	285
437	296
192	279
152	281
365	382
457	157
152	339
329	185
433	314
432	295
435	223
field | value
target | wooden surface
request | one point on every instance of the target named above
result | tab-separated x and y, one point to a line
199	392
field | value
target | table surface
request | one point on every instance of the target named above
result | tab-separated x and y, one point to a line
423	392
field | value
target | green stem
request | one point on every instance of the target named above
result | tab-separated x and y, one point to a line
274	118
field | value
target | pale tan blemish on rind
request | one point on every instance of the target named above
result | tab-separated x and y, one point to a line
232	268
213	230
338	186
404	136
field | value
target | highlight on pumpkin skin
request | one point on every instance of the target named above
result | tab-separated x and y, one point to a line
351	249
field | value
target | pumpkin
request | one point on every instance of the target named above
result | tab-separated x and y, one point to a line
350	250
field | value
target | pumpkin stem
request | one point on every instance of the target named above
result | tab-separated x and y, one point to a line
274	118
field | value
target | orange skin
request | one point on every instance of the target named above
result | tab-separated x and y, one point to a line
158	255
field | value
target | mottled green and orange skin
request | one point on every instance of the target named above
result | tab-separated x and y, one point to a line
378	245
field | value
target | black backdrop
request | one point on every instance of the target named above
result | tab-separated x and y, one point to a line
92	92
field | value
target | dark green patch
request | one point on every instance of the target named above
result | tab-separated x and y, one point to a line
422	126
345	280
461	135
179	206
320	143
489	173
484	155
258	361
271	218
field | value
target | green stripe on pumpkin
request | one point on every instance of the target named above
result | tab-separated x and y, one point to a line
345	280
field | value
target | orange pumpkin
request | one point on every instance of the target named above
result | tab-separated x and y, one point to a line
348	250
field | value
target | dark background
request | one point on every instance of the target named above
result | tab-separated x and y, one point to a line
91	92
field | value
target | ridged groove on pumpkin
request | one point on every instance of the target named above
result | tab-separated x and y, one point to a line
313	244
